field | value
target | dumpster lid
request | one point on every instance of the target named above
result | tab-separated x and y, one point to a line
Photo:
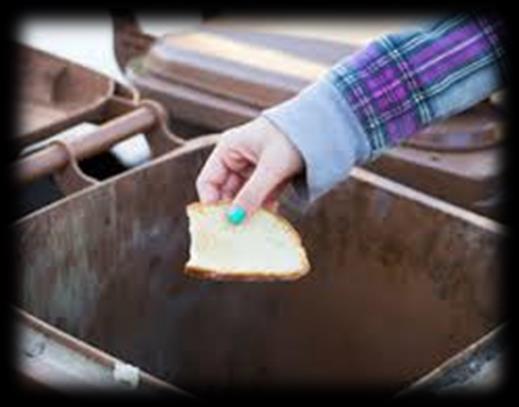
260	69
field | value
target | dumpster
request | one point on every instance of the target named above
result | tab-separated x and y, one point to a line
400	283
219	75
403	293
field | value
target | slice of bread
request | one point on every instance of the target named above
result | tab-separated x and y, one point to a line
265	247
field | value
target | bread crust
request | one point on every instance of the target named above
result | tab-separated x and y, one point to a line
250	277
222	275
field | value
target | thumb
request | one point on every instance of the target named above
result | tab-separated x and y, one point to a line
256	190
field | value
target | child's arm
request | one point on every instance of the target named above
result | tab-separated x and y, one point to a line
388	91
368	102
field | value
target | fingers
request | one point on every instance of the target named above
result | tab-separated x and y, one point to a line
258	187
251	165
271	202
231	186
213	176
271	205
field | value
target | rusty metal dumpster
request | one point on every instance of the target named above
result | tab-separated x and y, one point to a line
400	283
404	288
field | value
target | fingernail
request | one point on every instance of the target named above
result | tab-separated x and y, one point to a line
236	215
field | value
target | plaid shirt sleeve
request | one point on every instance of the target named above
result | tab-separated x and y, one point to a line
399	83
388	91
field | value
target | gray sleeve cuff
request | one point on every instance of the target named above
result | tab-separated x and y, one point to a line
326	132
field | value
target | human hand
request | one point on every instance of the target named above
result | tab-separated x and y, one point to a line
250	165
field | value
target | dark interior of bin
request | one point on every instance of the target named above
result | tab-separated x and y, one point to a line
396	287
43	191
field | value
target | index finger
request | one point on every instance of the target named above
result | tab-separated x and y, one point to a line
212	177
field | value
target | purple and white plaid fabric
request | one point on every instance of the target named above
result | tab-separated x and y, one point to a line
391	83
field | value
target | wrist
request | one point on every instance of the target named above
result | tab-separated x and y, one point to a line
327	134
